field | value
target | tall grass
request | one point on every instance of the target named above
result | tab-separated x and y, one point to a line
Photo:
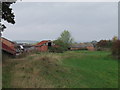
72	69
28	72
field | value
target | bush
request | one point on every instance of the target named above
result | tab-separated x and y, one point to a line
56	49
116	49
104	45
59	47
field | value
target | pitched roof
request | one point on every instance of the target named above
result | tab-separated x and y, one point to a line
89	45
8	49
42	42
6	39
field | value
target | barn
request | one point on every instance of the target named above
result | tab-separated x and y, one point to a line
90	47
7	42
8	48
43	45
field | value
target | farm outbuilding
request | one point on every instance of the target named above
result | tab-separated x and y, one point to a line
8	48
7	42
43	45
90	47
82	46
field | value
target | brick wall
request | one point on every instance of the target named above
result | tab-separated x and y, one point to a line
91	48
42	48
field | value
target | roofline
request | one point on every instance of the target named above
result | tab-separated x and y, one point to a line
12	51
45	40
7	40
43	43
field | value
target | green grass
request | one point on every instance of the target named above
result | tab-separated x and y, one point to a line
6	75
87	70
96	69
72	69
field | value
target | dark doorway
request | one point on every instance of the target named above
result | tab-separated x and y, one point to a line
49	44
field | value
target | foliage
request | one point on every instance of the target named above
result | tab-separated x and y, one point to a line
114	38
104	44
56	49
59	47
66	37
116	49
7	14
62	43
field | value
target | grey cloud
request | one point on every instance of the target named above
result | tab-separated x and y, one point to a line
85	21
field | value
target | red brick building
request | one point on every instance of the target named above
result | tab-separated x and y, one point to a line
8	46
90	48
43	45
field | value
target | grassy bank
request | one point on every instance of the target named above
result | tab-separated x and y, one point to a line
72	69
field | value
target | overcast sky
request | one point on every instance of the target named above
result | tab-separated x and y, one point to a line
46	21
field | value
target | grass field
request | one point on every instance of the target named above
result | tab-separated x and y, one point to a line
72	69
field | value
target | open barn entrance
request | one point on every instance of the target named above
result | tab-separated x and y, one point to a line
49	44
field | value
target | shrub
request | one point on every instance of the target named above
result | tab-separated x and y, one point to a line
116	49
59	47
104	45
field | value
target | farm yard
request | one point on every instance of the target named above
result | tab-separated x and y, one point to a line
62	45
71	69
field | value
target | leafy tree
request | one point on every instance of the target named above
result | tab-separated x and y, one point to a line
62	43
66	37
104	45
6	13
